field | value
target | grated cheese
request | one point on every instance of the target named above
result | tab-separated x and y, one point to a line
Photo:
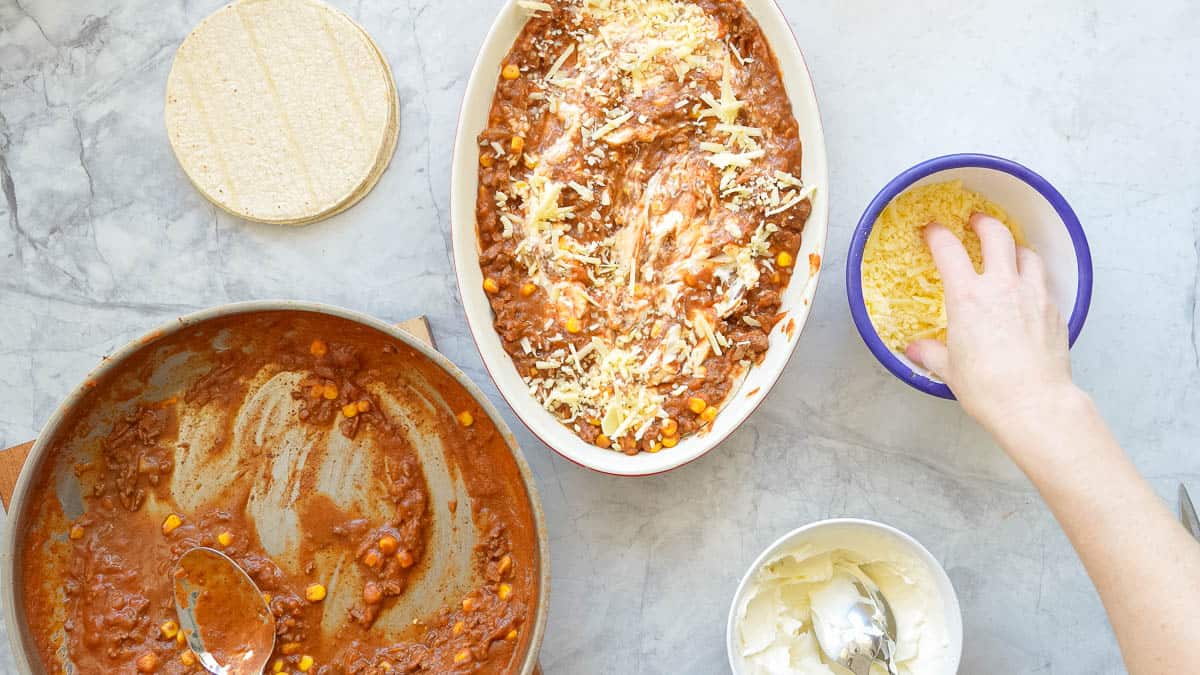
532	7
611	126
901	285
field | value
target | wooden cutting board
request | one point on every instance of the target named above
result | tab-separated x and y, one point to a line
12	459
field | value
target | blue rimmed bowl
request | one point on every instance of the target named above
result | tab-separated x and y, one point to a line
1050	226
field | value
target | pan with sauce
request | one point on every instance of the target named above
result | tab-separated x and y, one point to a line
362	487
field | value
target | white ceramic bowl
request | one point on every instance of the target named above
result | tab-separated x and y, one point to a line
797	299
1050	226
842	532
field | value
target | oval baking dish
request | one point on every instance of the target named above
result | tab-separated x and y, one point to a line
796	300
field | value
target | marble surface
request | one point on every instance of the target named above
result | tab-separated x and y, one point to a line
102	238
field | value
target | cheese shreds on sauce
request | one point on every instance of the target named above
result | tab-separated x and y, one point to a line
901	286
615	266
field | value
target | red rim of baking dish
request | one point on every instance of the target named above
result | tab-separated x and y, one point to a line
858	308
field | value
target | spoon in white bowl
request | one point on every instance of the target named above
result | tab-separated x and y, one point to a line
222	614
854	624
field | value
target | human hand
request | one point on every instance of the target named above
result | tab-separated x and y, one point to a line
1005	356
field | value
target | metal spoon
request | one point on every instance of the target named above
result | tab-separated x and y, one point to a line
854	624
222	614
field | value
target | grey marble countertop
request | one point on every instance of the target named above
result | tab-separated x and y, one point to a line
102	238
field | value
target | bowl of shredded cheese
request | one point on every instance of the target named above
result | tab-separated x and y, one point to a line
893	286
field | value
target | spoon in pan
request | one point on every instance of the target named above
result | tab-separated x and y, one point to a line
854	624
222	614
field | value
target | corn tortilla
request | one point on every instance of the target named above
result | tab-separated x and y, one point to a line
281	111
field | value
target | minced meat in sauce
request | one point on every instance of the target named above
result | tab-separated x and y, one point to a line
117	603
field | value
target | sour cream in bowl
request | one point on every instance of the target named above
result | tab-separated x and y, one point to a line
770	629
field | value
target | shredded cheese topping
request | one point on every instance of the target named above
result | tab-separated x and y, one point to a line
622	278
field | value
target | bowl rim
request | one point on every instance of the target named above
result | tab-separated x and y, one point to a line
712	439
922	553
862	231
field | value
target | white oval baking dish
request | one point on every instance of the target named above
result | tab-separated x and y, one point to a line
797	299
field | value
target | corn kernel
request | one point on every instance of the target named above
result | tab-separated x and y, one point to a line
290	648
504	591
329	392
459	627
462	656
531	162
697	404
573	325
655	446
490	285
172	521
371	558
169	629
468	604
385	666
670	441
517	144
188	657
670	427
349	410
318	348
267	598
277	666
306	662
510	72
315	593
363	405
784	259
603	441
504	565
405	559
486	161
528	289
388	544
76	532
316	391
512	635
465	418
225	539
180	639
709	414
147	663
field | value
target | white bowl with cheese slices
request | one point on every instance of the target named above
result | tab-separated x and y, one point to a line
796	299
770	630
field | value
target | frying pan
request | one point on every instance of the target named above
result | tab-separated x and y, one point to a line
166	362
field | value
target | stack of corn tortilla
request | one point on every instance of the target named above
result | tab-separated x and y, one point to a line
281	111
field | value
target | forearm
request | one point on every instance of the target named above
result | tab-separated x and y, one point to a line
1145	566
